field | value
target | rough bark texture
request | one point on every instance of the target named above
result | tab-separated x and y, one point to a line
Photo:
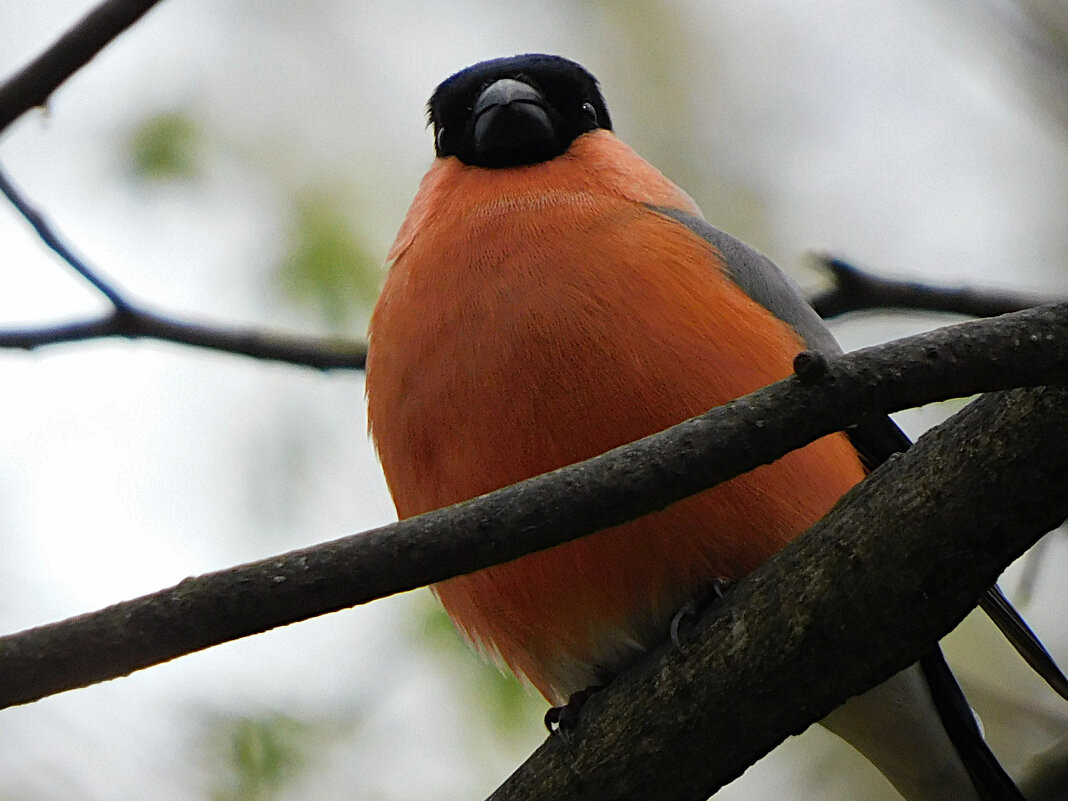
893	567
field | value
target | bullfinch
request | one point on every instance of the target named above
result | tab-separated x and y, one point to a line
551	296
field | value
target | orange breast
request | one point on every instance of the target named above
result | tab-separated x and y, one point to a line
540	316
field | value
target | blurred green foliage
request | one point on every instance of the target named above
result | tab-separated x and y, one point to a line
328	266
255	757
164	147
504	700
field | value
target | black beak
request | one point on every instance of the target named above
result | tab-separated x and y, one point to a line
512	125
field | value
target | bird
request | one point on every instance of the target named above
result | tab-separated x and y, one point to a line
551	295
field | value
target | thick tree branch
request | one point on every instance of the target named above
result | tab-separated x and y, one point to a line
854	289
892	568
33	84
1025	349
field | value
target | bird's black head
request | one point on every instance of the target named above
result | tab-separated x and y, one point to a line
513	111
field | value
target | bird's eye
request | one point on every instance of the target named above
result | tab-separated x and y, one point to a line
439	140
589	110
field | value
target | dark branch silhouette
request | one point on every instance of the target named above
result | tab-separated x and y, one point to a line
133	321
1024	349
34	84
854	289
47	235
257	343
892	568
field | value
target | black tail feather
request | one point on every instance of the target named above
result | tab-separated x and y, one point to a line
991	781
1026	643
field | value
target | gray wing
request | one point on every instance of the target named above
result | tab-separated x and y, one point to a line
876	440
763	281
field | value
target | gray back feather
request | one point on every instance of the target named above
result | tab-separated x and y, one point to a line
761	280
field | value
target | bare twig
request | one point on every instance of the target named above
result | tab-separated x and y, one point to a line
136	323
892	568
1025	349
132	321
33	84
855	289
49	236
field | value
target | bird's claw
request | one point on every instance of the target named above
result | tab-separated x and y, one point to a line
712	593
688	609
562	721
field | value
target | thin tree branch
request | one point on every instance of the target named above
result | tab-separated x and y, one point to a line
854	289
897	563
34	84
30	338
137	323
1025	349
48	235
132	321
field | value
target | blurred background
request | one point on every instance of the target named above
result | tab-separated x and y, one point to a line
250	162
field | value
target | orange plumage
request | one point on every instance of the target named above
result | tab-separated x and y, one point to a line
552	296
543	314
